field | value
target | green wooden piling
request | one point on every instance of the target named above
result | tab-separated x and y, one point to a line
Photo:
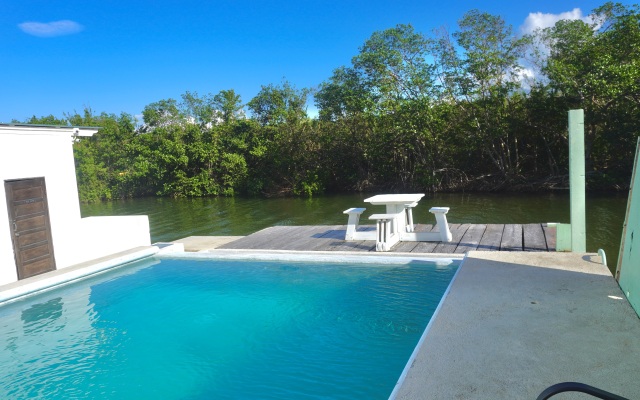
577	181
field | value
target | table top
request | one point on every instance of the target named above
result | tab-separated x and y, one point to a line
401	198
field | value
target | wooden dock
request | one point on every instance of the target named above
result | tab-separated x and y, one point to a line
466	237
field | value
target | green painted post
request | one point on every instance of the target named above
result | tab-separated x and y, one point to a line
577	181
563	237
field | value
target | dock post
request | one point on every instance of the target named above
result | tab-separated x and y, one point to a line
577	181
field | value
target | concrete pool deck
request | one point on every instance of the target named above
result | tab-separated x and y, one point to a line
513	324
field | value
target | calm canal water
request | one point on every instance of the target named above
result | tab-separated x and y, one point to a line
173	219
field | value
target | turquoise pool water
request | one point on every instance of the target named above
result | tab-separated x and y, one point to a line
205	329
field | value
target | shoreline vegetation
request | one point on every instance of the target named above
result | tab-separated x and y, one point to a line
478	109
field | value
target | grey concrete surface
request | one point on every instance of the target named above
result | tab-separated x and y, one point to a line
204	243
515	323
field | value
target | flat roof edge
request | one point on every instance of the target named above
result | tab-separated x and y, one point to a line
50	129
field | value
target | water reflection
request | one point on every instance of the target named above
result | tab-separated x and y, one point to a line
50	335
42	315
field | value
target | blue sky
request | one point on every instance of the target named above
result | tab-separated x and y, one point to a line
119	56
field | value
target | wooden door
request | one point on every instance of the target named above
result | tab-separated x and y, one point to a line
30	226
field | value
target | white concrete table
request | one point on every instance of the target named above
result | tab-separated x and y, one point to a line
399	204
397	222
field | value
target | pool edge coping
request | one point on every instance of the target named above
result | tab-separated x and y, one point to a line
316	256
14	291
423	337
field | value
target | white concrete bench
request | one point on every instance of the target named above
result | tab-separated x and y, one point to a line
442	233
353	222
441	222
396	226
387	234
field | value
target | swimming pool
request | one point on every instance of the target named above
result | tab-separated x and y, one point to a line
171	328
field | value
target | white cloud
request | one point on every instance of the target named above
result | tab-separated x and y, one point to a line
544	20
51	29
523	74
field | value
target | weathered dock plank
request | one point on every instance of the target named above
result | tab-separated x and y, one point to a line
491	238
457	231
282	242
405	247
332	238
511	238
304	239
334	241
365	245
409	247
258	239
471	239
466	237
424	247
533	238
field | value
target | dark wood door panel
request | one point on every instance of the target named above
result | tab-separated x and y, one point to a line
26	192
26	209
31	223
35	252
36	268
28	238
30	226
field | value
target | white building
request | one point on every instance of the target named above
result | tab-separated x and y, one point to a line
41	229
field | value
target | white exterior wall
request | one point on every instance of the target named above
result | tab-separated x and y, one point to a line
102	236
31	152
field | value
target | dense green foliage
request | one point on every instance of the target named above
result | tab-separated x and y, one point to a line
451	111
